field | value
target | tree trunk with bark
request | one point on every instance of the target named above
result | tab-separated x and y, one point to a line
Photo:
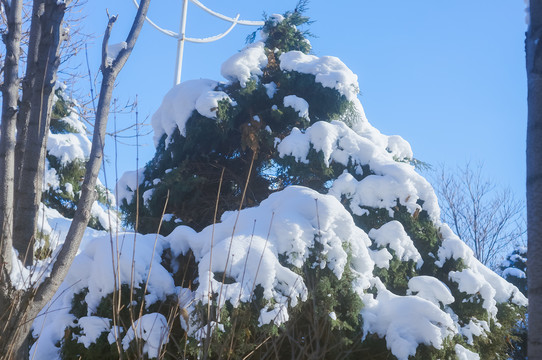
10	97
533	47
41	73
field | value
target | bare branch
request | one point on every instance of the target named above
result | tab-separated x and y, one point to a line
484	217
66	255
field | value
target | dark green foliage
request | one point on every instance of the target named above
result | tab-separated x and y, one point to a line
99	350
79	306
284	35
60	199
62	108
44	251
517	260
129	311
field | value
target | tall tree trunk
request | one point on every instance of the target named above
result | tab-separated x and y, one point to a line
10	96
47	42
23	117
533	47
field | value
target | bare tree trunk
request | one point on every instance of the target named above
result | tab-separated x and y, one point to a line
50	15
533	47
23	117
10	96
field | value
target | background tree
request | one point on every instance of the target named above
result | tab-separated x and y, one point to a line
533	47
514	269
489	219
26	115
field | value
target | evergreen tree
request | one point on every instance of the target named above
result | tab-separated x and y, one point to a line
67	152
514	270
355	263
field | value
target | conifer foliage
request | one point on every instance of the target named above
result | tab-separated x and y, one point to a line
67	153
514	270
337	251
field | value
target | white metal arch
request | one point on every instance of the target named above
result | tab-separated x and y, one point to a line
181	37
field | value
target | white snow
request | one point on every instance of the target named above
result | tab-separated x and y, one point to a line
106	217
405	321
392	180
381	258
276	19
113	51
245	65
474	328
330	71
393	234
54	225
69	189
513	272
50	178
470	282
151	328
207	103
177	106
128	184
477	279
69	147
147	195
465	354
399	148
277	315
91	328
300	105
431	289
271	89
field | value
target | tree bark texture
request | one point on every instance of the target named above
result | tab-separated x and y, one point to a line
10	96
43	70
533	47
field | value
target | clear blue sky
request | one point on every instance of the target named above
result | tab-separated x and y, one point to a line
447	76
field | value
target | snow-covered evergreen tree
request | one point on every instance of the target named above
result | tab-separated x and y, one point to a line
514	270
337	252
68	149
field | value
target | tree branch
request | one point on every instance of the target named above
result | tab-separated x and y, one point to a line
47	289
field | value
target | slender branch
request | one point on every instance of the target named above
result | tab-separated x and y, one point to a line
105	41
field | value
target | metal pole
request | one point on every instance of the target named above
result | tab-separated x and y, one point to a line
181	36
180	44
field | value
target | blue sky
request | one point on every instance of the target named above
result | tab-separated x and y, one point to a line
447	76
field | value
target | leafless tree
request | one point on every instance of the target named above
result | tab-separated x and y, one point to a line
533	47
25	119
489	219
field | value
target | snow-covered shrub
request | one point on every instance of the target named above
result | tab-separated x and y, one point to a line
68	149
337	252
